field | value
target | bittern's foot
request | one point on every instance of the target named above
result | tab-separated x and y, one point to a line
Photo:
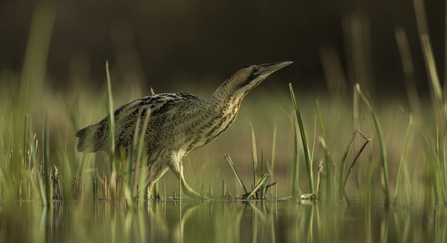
191	193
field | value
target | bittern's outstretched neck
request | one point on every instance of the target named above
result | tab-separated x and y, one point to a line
244	80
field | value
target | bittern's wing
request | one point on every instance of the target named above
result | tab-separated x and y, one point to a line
162	108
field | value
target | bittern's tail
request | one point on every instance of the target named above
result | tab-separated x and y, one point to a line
90	139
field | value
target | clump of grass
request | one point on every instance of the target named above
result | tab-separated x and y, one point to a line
257	187
260	185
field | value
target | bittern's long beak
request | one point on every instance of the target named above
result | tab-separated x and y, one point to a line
270	68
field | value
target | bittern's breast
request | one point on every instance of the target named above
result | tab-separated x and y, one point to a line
211	123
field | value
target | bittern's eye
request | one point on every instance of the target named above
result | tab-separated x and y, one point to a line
255	69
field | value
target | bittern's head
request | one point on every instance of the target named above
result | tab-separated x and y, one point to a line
244	80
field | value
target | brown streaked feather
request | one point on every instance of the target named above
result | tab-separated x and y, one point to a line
94	138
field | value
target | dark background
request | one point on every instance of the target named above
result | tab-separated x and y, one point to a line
159	42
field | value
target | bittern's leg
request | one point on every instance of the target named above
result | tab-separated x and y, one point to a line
177	168
156	170
153	178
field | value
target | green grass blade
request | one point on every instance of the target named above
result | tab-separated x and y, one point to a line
437	170
111	127
285	112
296	166
272	160
46	161
445	161
36	55
307	155
129	185
353	162
262	161
134	148
320	170
25	144
381	143
330	168
314	140
342	168
403	161
431	65
255	157
235	172
140	155
320	118
37	171
262	173
408	70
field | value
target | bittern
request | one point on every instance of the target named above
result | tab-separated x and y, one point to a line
179	123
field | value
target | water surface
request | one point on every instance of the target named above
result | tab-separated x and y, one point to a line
219	221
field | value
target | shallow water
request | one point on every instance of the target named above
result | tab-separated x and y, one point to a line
219	221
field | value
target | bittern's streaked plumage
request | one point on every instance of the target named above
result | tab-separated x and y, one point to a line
179	123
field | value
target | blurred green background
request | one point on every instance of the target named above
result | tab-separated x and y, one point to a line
164	43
